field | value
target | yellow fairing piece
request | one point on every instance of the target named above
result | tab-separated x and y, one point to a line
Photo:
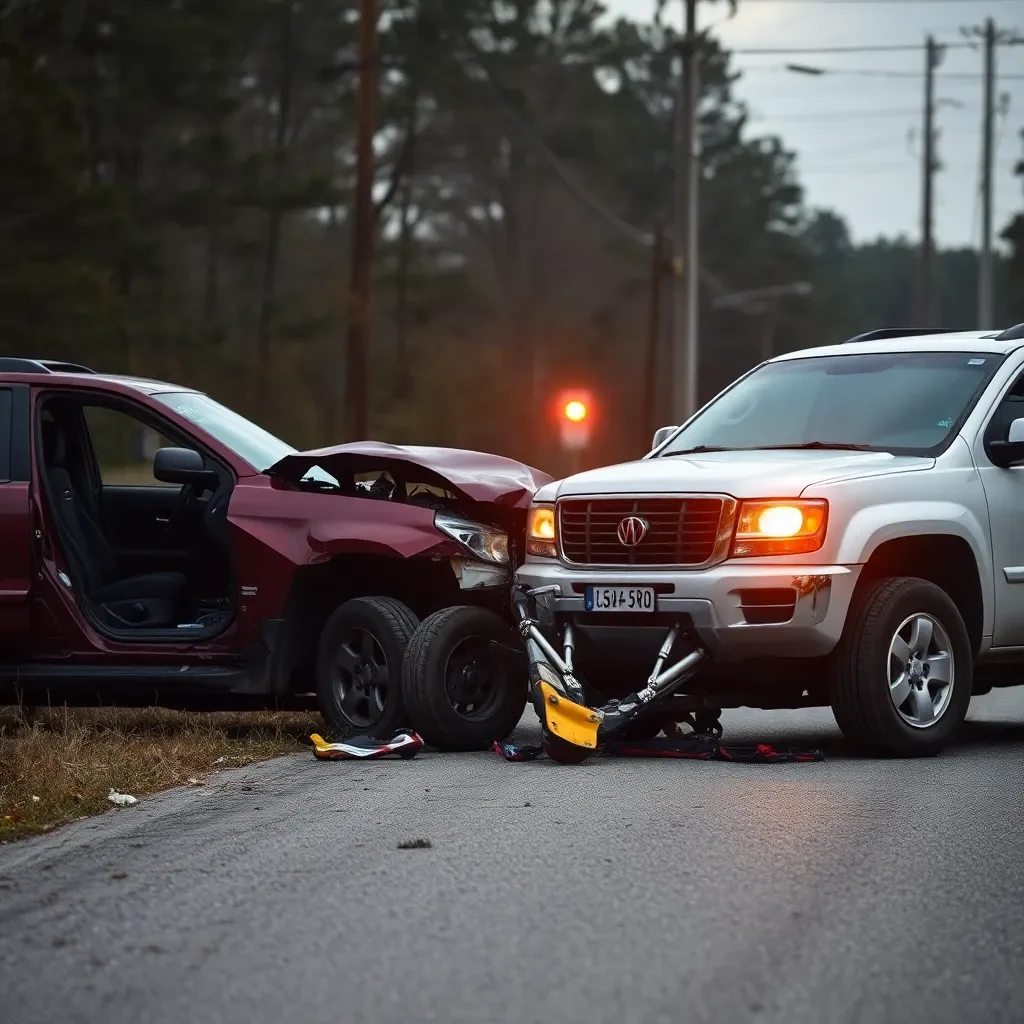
321	748
570	722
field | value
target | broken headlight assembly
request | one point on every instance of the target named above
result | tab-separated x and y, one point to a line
483	542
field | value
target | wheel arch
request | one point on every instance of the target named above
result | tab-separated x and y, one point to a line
316	590
945	559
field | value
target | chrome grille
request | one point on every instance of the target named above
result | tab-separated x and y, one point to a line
680	531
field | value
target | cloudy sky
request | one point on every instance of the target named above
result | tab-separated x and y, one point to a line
857	128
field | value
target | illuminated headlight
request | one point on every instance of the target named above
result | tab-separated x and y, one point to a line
483	542
779	527
541	534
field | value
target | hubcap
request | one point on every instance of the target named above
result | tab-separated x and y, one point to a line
920	670
361	678
473	679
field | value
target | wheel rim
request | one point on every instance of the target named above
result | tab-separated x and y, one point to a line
473	679
361	678
920	670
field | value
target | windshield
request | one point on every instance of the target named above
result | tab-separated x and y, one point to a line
257	446
904	403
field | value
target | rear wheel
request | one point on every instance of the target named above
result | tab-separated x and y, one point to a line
359	666
463	685
901	678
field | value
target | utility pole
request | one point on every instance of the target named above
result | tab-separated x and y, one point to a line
985	310
363	231
650	394
926	298
685	226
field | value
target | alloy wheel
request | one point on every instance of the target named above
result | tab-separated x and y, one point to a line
920	670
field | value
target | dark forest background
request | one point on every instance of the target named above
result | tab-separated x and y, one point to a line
175	188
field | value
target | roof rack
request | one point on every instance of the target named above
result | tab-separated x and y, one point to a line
899	332
1011	334
13	364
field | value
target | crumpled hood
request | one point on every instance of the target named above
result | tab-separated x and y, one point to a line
477	475
748	474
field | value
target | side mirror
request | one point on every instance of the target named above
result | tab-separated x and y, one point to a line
1011	451
662	435
182	466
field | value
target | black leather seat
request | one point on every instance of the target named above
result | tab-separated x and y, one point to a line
149	601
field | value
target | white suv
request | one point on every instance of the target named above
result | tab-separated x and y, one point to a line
842	525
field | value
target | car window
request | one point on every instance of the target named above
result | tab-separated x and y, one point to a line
124	447
1010	408
902	402
5	434
257	446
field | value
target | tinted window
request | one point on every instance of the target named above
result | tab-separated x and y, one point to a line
124	447
5	434
906	402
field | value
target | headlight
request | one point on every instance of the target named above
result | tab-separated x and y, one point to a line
541	534
779	527
483	542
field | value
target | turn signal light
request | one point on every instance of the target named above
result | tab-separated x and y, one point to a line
541	533
779	528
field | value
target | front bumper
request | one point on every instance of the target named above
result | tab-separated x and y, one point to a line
718	603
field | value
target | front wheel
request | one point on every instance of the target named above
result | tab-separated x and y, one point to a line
463	684
359	666
901	679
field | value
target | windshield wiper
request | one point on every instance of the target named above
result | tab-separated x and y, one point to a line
701	448
824	446
806	445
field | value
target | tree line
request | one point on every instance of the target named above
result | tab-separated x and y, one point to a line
175	191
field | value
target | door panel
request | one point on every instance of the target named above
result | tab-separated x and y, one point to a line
136	521
15	521
1004	492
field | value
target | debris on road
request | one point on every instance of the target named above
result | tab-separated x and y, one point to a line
121	799
694	747
404	744
416	844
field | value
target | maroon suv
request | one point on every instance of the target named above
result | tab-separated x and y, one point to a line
157	547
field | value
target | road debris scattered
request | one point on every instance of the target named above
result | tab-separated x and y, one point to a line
404	744
121	799
415	844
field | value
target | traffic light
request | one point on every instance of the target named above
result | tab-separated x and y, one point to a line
574	415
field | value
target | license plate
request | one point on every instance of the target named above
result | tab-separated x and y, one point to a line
619	599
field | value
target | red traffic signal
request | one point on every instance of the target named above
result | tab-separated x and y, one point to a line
574	414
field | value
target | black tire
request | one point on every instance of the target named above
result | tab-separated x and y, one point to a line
478	698
363	638
859	672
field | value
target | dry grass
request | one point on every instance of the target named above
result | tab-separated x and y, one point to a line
58	765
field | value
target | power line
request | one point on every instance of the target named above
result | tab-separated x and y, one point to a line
837	114
836	3
848	168
879	73
879	48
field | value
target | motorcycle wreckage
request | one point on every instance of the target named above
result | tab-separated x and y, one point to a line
571	730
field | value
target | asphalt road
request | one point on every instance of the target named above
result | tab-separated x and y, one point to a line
616	891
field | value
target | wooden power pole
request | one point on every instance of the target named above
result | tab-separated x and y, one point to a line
985	311
650	396
926	313
357	391
685	226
